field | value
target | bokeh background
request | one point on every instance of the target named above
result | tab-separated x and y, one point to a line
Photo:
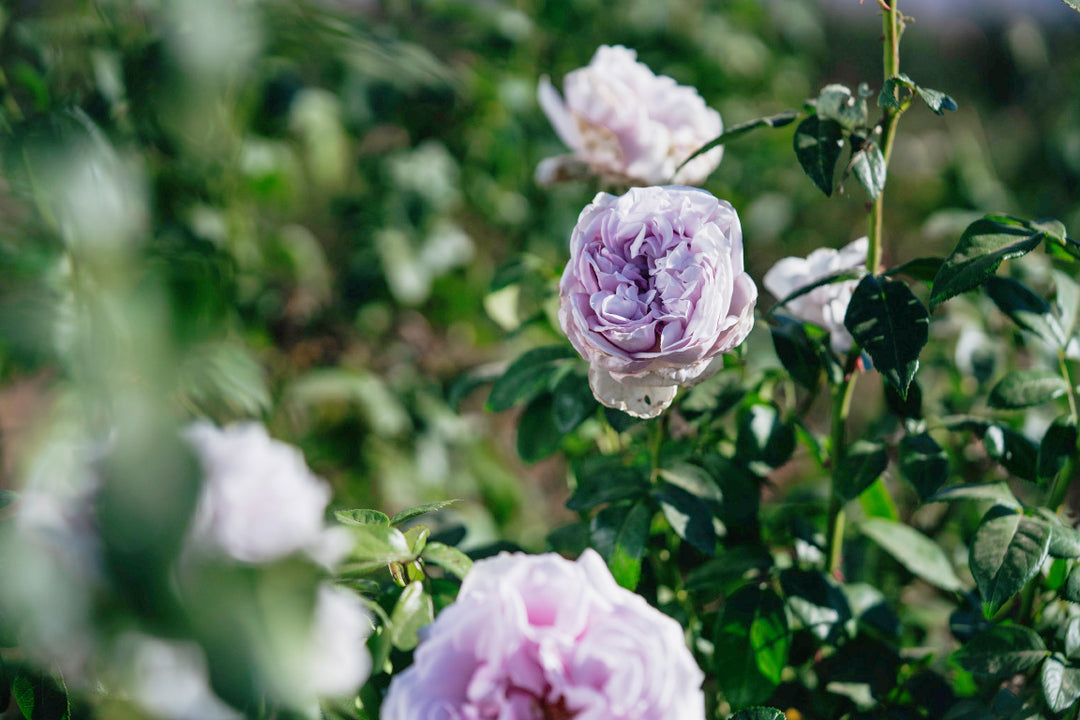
323	215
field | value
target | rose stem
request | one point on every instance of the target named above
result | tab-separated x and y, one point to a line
841	407
892	22
893	28
1067	474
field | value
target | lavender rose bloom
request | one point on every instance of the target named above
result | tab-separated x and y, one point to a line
823	306
653	292
533	637
629	124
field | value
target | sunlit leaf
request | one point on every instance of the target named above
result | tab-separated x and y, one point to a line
1006	552
1026	388
918	553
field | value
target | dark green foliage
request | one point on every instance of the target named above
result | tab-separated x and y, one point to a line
890	323
751	641
1025	388
923	463
1006	552
860	466
1002	650
818	144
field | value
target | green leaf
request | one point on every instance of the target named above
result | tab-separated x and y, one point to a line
1006	552
361	516
573	401
995	491
1072	638
526	376
413	611
923	268
985	244
868	166
764	436
758	713
751	645
816	602
693	479
1074	4
861	465
379	545
818	144
537	434
415	512
1026	309
936	100
836	102
1002	650
224	379
1072	585
923	463
449	558
775	121
603	479
619	533
689	515
890	323
1026	388
797	352
1060	683
1018	454
1064	539
40	697
918	553
889	97
1057	446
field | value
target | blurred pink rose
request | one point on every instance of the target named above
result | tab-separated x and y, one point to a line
654	290
542	637
823	306
629	124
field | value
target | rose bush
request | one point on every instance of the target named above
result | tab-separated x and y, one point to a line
826	305
654	290
541	636
630	125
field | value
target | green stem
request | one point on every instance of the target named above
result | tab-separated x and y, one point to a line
892	23
1071	470
841	408
1063	365
657	442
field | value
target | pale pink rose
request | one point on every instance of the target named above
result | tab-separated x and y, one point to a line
533	637
630	125
259	501
654	291
823	306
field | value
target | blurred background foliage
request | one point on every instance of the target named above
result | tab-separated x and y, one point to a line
323	215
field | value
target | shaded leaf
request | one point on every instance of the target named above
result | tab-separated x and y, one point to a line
995	491
1057	446
603	480
818	144
1025	308
936	100
413	611
764	436
1010	448
924	268
751	642
816	602
1026	388
797	352
573	401
537	434
526	376
619	533
985	244
689	515
918	553
40	697
862	464
923	463
758	713
1002	650
890	323
1006	552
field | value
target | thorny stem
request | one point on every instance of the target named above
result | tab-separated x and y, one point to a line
893	25
841	408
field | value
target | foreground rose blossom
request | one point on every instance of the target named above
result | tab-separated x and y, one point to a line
824	306
629	124
541	637
653	292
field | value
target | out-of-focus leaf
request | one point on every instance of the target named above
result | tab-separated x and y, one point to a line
985	244
619	533
537	435
764	436
868	166
1025	308
796	352
1072	585
924	268
1060	682
818	144
890	323
573	401
758	713
690	516
526	376
1002	650
1026	388
861	465
361	516
995	491
1006	552
751	641
380	408
923	463
816	602
224	380
936	100
918	553
40	697
603	480
1018	454
1057	446
775	121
